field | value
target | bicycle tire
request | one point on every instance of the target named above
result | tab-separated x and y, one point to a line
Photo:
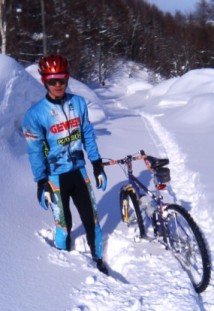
189	246
129	201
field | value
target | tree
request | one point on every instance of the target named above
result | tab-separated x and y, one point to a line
3	26
93	35
202	12
43	27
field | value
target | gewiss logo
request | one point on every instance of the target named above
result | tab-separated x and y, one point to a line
63	126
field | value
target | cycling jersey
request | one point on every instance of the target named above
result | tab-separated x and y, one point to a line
56	132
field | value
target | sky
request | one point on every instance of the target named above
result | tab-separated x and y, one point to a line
134	110
185	6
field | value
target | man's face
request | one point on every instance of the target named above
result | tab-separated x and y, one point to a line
56	87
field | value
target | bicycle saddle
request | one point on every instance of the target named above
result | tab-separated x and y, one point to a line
155	162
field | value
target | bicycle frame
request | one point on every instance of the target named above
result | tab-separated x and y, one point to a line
137	184
134	183
133	180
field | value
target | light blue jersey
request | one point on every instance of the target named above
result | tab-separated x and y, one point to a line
64	129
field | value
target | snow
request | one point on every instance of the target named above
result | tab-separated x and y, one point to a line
173	118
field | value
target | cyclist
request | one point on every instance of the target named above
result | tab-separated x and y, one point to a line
57	129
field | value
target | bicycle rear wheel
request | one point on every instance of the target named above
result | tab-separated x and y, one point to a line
188	245
130	209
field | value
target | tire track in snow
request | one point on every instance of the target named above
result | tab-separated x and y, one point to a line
185	183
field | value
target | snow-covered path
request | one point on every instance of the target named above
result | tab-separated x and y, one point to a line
186	187
162	143
129	254
136	268
143	276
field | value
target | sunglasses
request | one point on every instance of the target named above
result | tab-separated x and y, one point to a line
53	82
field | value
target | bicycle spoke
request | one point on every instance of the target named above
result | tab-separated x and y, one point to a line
188	246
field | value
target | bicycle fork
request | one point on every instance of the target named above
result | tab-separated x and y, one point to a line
126	211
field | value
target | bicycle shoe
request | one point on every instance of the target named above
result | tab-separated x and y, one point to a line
101	266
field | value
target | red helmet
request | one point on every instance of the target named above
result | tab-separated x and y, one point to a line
53	64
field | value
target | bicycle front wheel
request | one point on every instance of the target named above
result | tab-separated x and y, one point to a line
130	209
188	245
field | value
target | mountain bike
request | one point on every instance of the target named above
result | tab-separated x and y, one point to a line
168	223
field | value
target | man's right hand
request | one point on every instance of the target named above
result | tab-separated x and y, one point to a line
44	192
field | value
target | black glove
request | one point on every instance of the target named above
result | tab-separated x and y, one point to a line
99	174
42	187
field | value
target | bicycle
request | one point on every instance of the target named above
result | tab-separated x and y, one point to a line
169	223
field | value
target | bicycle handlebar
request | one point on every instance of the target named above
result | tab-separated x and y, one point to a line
151	162
141	156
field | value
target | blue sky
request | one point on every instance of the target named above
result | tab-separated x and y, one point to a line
185	6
